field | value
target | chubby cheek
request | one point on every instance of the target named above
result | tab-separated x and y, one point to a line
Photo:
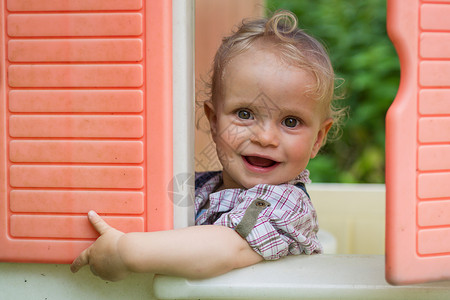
232	138
228	141
299	152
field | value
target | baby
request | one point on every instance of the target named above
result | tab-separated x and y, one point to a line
270	112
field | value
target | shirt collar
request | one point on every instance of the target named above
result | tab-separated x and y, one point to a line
208	188
215	182
303	177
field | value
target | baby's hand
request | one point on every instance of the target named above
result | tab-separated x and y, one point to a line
103	256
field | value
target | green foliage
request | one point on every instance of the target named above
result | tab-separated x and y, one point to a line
354	32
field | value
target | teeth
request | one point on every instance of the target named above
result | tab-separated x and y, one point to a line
260	161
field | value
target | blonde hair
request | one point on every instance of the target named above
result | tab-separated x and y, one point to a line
295	47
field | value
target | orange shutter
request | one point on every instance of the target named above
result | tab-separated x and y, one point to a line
86	122
418	144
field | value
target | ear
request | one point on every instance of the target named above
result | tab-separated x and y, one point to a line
321	134
211	115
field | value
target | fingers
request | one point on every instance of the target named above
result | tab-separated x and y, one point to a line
99	224
82	261
79	262
101	227
94	255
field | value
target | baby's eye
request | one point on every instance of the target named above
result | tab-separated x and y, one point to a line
290	122
244	114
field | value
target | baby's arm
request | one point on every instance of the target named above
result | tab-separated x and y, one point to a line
193	252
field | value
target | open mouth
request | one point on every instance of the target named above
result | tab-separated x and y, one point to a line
260	162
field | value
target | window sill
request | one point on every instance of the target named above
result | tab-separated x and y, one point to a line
301	277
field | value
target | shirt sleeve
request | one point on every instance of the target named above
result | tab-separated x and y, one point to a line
287	227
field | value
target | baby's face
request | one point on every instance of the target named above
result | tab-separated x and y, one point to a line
265	125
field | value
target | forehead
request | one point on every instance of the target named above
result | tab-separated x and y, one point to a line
260	74
262	70
262	63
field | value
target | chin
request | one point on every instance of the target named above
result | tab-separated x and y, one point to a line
249	185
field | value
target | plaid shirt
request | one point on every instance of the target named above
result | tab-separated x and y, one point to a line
287	227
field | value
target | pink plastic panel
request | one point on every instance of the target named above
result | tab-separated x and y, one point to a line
418	144
85	122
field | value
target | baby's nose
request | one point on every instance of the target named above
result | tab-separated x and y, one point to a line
266	135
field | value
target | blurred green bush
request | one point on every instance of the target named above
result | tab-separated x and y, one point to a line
354	33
